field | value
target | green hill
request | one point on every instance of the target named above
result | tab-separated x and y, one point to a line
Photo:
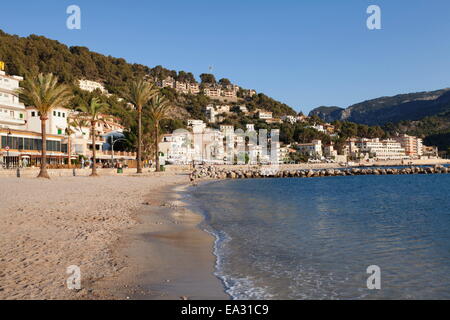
37	53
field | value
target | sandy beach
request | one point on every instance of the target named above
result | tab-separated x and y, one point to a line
95	223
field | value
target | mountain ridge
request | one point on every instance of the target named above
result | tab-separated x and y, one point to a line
380	111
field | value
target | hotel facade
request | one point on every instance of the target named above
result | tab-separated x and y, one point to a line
20	132
18	144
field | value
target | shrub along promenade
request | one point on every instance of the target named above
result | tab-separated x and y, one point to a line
272	172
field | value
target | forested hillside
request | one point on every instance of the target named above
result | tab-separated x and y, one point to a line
40	54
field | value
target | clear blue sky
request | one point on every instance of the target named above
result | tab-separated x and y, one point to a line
305	53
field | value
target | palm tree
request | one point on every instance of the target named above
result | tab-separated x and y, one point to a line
93	112
139	94
158	110
45	94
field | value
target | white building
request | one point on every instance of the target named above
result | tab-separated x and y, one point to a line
197	126
381	150
213	92
20	145
250	127
12	111
290	119
168	82
211	113
89	85
265	115
227	129
243	109
182	87
194	88
208	145
223	109
56	123
178	148
318	127
313	149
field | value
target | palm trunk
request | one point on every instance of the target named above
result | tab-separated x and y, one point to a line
43	173
139	149
158	169
69	152
94	158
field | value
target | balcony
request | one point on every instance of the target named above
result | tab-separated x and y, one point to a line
6	119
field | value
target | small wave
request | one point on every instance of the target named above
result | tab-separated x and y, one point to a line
238	288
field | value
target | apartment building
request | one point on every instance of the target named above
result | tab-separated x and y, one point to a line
168	82
12	111
381	150
194	88
18	145
413	146
229	94
212	92
182	87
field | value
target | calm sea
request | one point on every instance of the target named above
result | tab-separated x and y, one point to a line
315	238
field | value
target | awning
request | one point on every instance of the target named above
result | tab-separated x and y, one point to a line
11	154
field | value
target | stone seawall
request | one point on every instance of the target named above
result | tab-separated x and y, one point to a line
220	173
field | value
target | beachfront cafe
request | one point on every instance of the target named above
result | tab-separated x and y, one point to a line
23	149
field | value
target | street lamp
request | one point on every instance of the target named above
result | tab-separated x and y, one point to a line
7	148
113	142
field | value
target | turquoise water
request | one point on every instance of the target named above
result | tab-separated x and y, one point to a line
315	238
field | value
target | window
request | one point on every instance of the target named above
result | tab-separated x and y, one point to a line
59	114
33	114
59	131
54	113
64	115
21	116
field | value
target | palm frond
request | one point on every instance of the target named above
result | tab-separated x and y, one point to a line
44	93
140	92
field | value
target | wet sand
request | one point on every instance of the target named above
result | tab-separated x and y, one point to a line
168	256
